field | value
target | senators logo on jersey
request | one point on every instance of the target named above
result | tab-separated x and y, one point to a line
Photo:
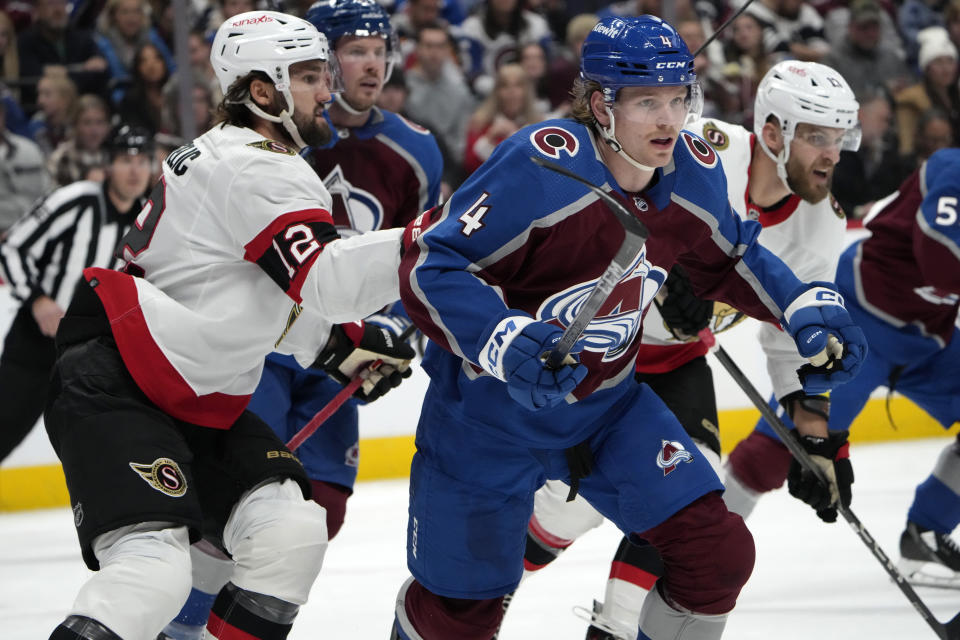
717	138
164	475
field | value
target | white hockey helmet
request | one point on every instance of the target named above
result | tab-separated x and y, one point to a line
808	92
269	42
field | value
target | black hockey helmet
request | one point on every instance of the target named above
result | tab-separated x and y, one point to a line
129	139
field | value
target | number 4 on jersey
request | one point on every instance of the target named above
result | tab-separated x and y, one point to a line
472	218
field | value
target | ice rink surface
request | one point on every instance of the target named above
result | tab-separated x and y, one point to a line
811	581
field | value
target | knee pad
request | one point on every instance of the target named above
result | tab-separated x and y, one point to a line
760	463
708	555
558	522
277	540
148	562
333	498
423	615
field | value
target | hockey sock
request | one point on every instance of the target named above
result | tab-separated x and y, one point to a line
211	569
633	572
542	547
936	504
82	628
243	615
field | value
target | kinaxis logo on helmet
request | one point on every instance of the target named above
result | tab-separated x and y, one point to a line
164	475
614	331
246	21
671	454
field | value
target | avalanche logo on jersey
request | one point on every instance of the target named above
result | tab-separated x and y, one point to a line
671	454
164	475
354	209
700	150
612	333
550	141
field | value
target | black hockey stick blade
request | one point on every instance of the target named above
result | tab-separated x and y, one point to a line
945	631
635	236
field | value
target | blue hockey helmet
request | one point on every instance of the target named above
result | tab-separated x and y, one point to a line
361	18
635	51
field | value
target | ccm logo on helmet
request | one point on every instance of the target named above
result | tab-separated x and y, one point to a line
700	150
671	65
246	21
551	140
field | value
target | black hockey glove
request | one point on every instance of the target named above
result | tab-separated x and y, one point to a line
355	346
832	455
684	313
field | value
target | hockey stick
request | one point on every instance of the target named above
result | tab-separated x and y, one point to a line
720	29
635	236
337	401
946	631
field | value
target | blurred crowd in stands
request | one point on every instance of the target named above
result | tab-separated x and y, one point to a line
472	71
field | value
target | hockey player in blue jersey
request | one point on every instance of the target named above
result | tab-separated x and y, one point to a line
381	171
495	274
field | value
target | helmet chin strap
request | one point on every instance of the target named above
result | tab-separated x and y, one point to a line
340	100
780	159
283	119
609	136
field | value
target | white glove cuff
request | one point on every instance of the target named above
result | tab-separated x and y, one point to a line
491	355
815	297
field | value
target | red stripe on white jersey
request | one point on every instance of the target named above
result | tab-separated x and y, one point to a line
266	240
145	361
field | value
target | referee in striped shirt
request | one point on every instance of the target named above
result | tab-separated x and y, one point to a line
43	257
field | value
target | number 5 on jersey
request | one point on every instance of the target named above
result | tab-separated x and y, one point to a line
946	211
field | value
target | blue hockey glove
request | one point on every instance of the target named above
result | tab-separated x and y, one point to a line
514	353
826	336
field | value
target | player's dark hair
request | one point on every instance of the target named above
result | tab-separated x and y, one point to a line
231	109
580	107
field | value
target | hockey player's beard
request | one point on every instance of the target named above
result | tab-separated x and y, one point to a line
798	179
314	129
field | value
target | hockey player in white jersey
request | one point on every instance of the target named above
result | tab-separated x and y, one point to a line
779	174
157	361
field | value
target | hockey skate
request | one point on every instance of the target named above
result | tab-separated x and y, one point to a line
929	558
600	627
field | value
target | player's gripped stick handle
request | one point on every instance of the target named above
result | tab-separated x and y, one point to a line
635	235
337	401
946	631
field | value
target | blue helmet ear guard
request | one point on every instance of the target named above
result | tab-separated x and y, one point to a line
642	51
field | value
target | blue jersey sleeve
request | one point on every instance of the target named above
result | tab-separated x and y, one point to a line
727	264
936	241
